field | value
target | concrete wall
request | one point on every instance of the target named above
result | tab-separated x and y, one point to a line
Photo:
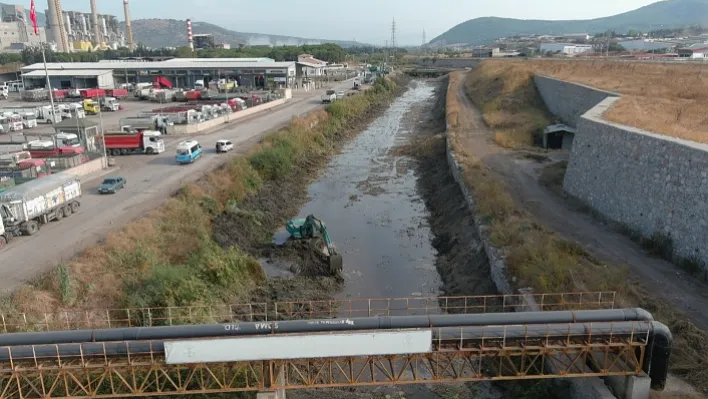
87	168
569	101
649	182
449	62
210	124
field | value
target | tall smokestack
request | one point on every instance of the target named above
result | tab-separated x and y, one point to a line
190	38
56	26
128	27
97	38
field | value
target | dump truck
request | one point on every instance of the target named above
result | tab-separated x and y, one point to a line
146	142
90	107
26	207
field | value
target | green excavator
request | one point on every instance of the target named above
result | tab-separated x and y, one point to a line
311	228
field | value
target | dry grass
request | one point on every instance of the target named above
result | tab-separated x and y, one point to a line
670	99
538	258
510	104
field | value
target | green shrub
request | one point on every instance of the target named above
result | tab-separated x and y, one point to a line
273	162
168	286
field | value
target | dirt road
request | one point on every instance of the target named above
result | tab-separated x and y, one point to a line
151	179
521	174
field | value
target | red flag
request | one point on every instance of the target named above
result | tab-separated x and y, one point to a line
33	18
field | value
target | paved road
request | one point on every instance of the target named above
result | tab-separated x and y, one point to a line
151	179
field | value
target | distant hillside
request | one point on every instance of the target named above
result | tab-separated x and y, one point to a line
664	14
157	33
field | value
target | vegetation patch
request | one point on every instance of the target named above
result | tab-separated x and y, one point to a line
538	258
171	257
510	103
666	98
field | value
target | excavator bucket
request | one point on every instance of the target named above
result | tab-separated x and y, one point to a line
336	264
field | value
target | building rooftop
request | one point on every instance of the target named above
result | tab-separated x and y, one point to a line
169	64
61	72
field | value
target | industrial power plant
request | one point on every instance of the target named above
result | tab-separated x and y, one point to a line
70	31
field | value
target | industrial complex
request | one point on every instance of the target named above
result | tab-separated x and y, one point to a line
181	72
16	32
76	31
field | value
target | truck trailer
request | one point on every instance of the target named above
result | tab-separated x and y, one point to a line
147	142
26	207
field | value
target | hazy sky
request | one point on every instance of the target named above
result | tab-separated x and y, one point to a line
364	20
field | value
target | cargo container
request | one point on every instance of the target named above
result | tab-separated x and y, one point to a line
146	142
92	93
117	93
26	207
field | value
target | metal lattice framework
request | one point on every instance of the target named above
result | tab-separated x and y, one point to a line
496	357
275	311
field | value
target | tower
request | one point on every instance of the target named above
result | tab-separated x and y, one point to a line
128	27
97	37
190	37
55	20
393	38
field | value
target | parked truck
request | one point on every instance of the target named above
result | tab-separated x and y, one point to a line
147	142
26	207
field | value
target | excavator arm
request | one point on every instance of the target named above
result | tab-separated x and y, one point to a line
311	228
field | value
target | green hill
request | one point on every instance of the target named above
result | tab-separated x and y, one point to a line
662	14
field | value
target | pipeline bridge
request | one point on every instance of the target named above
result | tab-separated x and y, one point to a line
312	344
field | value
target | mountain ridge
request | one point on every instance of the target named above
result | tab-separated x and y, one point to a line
664	14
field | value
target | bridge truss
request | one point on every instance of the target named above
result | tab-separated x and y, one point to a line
492	357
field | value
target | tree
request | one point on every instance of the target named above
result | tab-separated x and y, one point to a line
184	52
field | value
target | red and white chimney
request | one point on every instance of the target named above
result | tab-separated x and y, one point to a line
190	38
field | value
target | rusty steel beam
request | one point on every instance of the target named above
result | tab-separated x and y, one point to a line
147	374
276	311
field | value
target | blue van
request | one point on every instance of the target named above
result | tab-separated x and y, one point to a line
188	151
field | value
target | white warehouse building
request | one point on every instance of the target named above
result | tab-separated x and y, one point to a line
565	48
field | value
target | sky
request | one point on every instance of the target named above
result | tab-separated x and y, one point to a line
366	21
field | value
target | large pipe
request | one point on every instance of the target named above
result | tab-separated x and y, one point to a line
128	27
302	326
97	39
655	362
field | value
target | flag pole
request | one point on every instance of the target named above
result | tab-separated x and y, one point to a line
49	84
33	18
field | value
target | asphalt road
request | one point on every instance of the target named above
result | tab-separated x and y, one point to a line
151	179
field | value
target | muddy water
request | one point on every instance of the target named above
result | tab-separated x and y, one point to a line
367	197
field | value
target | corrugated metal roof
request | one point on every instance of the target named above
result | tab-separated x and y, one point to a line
36	187
171	64
71	72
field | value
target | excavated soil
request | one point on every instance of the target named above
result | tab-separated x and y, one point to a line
250	228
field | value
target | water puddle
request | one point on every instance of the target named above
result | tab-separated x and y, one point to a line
367	196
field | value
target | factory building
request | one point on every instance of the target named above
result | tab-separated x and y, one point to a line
181	72
565	48
80	31
203	41
77	31
16	31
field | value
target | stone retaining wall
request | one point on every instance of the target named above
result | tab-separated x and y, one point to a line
648	182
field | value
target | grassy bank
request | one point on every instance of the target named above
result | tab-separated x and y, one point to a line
538	258
510	103
666	98
171	257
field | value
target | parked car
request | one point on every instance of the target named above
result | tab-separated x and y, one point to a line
340	94
111	185
224	146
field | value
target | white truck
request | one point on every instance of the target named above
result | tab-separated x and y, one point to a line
329	97
45	114
26	207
